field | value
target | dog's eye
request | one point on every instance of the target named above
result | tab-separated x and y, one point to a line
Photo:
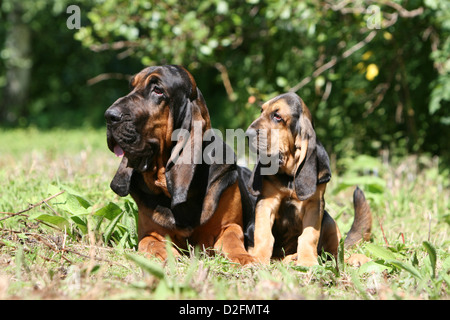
277	117
157	90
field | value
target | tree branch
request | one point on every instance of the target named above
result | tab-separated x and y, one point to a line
113	46
108	76
31	206
334	61
226	81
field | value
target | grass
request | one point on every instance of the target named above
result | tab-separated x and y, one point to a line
80	244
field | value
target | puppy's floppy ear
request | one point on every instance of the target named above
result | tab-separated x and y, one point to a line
324	170
314	163
120	184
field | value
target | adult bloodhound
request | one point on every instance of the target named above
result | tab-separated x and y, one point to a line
198	202
290	220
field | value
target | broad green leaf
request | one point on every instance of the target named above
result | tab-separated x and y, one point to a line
60	222
374	266
110	228
81	224
75	205
110	211
147	265
432	255
51	189
73	201
380	252
408	267
83	202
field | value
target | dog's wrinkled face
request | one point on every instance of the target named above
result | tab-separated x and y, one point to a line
278	129
140	124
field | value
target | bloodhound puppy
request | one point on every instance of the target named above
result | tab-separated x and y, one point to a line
194	201
290	220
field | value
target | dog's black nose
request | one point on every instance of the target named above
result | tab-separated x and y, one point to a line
113	115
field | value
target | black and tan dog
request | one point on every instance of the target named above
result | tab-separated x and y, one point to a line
192	202
290	220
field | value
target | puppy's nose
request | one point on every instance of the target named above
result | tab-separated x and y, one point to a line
251	132
113	115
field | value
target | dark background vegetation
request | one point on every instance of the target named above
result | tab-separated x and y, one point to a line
376	81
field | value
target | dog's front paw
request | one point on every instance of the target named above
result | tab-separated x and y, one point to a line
357	260
242	258
307	261
290	258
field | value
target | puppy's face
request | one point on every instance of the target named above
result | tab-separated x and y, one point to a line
278	129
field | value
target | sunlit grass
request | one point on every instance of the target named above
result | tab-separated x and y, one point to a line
39	262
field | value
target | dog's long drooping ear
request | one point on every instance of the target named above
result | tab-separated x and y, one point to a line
186	166
120	184
180	167
187	153
314	163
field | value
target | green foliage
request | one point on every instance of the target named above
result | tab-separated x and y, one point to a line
365	172
367	91
73	214
440	95
59	94
377	97
169	285
400	258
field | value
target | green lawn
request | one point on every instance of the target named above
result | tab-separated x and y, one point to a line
80	244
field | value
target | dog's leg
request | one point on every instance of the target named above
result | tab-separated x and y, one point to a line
155	245
329	235
312	221
265	213
151	237
231	243
308	240
224	231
